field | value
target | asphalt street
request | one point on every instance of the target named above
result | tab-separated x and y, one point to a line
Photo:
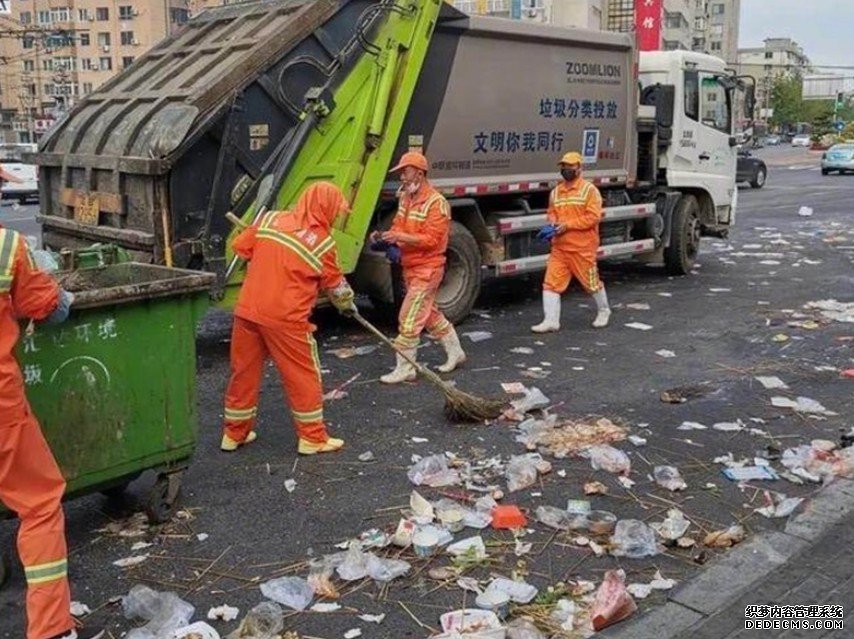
240	525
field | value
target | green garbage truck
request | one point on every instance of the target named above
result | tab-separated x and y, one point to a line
248	103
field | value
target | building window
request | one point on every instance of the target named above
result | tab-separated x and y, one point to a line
768	68
84	39
83	15
43	17
47	89
179	16
127	37
27	42
106	64
86	64
671	45
125	12
87	88
29	65
65	63
718	9
102	14
26	17
127	61
60	14
769	55
47	65
103	39
715	46
621	15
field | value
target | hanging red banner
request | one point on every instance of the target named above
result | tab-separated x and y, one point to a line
648	24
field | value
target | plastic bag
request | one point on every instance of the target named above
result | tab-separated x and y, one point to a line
521	473
355	564
433	471
673	527
264	621
633	539
609	459
521	628
613	603
165	612
198	630
669	477
533	399
564	614
560	519
293	592
520	592
384	570
320	579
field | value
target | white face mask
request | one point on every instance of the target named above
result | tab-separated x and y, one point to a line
412	187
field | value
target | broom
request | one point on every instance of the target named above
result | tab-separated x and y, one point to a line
459	405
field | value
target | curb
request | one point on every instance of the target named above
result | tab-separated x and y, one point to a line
741	569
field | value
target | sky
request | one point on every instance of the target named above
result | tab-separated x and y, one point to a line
823	28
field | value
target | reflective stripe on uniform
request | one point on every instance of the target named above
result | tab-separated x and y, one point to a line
240	414
312	343
44	573
267	219
323	248
412	314
404	342
8	249
308	416
292	243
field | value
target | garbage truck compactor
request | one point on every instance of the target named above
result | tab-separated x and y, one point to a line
246	104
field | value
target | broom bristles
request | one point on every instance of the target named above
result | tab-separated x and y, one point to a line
462	407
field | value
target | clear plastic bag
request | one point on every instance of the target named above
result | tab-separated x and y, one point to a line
355	564
522	628
293	592
433	471
384	570
669	477
521	473
609	459
264	621
165	612
633	539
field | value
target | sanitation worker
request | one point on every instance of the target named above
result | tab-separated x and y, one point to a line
31	484
291	258
575	209
418	237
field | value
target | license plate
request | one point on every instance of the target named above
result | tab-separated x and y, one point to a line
87	209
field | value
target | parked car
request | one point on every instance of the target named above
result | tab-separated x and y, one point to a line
839	157
750	169
802	140
773	140
28	186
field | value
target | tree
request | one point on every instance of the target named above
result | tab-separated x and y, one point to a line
848	131
787	101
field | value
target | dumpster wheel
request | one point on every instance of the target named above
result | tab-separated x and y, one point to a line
163	498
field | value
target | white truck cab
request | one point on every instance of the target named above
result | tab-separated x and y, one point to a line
701	158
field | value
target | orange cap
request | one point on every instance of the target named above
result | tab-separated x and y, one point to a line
573	157
413	158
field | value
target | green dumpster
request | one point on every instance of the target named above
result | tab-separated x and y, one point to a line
114	386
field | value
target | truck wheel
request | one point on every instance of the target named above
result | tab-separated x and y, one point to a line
758	180
684	237
461	285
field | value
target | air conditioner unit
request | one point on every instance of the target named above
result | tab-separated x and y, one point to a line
106	48
135	42
90	18
134	12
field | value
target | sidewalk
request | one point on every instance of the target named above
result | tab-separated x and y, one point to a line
811	563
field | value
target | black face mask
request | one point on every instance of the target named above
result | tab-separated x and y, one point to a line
569	174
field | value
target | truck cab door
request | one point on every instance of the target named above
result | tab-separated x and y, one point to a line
704	150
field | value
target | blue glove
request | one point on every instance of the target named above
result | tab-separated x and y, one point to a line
392	253
59	315
380	246
547	233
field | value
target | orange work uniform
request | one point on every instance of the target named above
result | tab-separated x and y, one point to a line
426	216
291	258
578	207
31	484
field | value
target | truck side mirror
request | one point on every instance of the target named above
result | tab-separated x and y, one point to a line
749	101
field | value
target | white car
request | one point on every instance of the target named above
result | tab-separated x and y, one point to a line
802	140
28	185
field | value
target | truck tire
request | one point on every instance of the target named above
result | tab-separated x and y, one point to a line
461	286
684	237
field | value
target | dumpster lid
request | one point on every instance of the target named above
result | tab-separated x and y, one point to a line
131	282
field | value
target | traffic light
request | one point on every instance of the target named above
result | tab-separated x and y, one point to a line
840	99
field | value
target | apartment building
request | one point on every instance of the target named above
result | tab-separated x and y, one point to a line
67	48
585	14
677	21
779	57
716	28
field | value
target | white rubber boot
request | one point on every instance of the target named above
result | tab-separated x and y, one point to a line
603	311
454	351
403	371
551	312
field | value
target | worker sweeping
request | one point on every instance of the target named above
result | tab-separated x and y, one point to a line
291	257
418	237
575	209
31	484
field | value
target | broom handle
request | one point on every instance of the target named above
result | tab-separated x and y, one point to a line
433	377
